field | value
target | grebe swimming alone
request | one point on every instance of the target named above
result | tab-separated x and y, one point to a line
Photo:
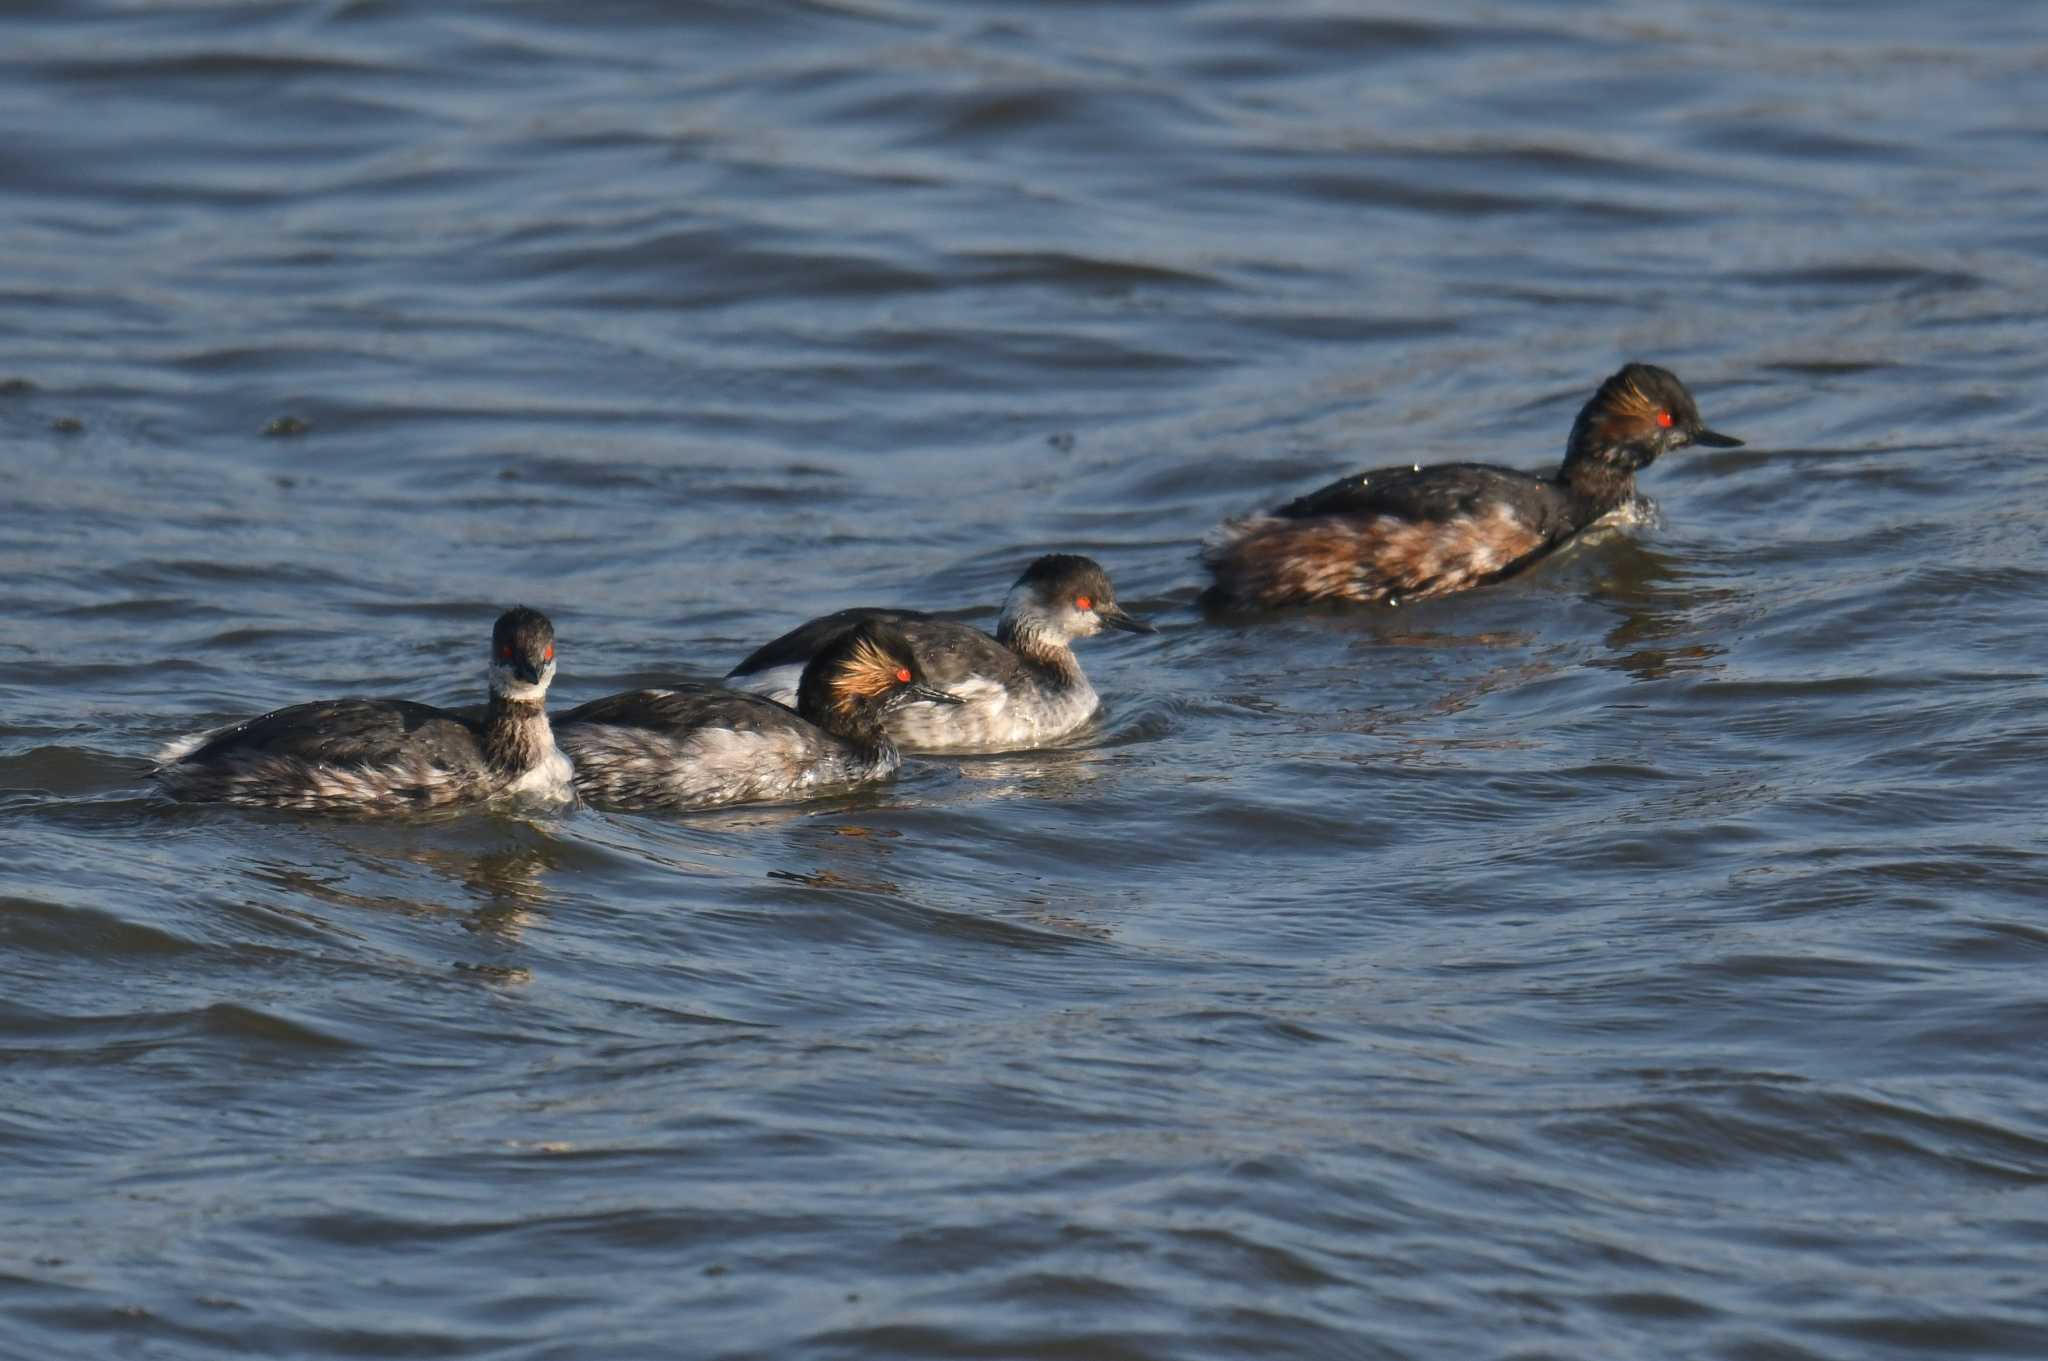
1021	688
701	745
390	755
1410	532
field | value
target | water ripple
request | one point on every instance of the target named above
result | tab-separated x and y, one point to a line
1633	960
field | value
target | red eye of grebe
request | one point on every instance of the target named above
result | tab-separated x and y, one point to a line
903	675
506	652
1664	419
549	655
1082	602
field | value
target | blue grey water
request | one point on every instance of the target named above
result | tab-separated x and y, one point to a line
1641	959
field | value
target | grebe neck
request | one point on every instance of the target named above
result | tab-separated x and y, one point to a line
516	735
1046	650
1597	487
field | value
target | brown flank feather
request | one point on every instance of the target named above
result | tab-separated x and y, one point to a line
1374	560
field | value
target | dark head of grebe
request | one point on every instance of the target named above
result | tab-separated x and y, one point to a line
522	666
1061	597
852	686
1639	414
522	656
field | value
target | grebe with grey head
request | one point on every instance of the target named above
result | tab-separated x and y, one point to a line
1021	688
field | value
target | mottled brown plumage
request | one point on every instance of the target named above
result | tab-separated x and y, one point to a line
1378	557
1396	534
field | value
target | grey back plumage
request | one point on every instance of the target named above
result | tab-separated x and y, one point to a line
351	732
697	745
379	755
1438	492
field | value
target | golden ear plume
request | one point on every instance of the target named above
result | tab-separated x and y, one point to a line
1629	403
867	673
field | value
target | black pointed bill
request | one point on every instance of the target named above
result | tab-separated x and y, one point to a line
1117	619
932	693
1715	439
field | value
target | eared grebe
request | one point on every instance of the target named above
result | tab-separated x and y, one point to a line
1021	688
390	755
1410	532
701	744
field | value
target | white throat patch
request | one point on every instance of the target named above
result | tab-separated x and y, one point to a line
508	685
1024	612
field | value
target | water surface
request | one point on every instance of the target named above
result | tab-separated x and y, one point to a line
1639	959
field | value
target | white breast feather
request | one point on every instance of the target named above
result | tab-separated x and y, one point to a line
994	718
776	682
178	748
553	779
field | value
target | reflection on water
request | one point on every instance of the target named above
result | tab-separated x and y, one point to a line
1055	774
855	853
